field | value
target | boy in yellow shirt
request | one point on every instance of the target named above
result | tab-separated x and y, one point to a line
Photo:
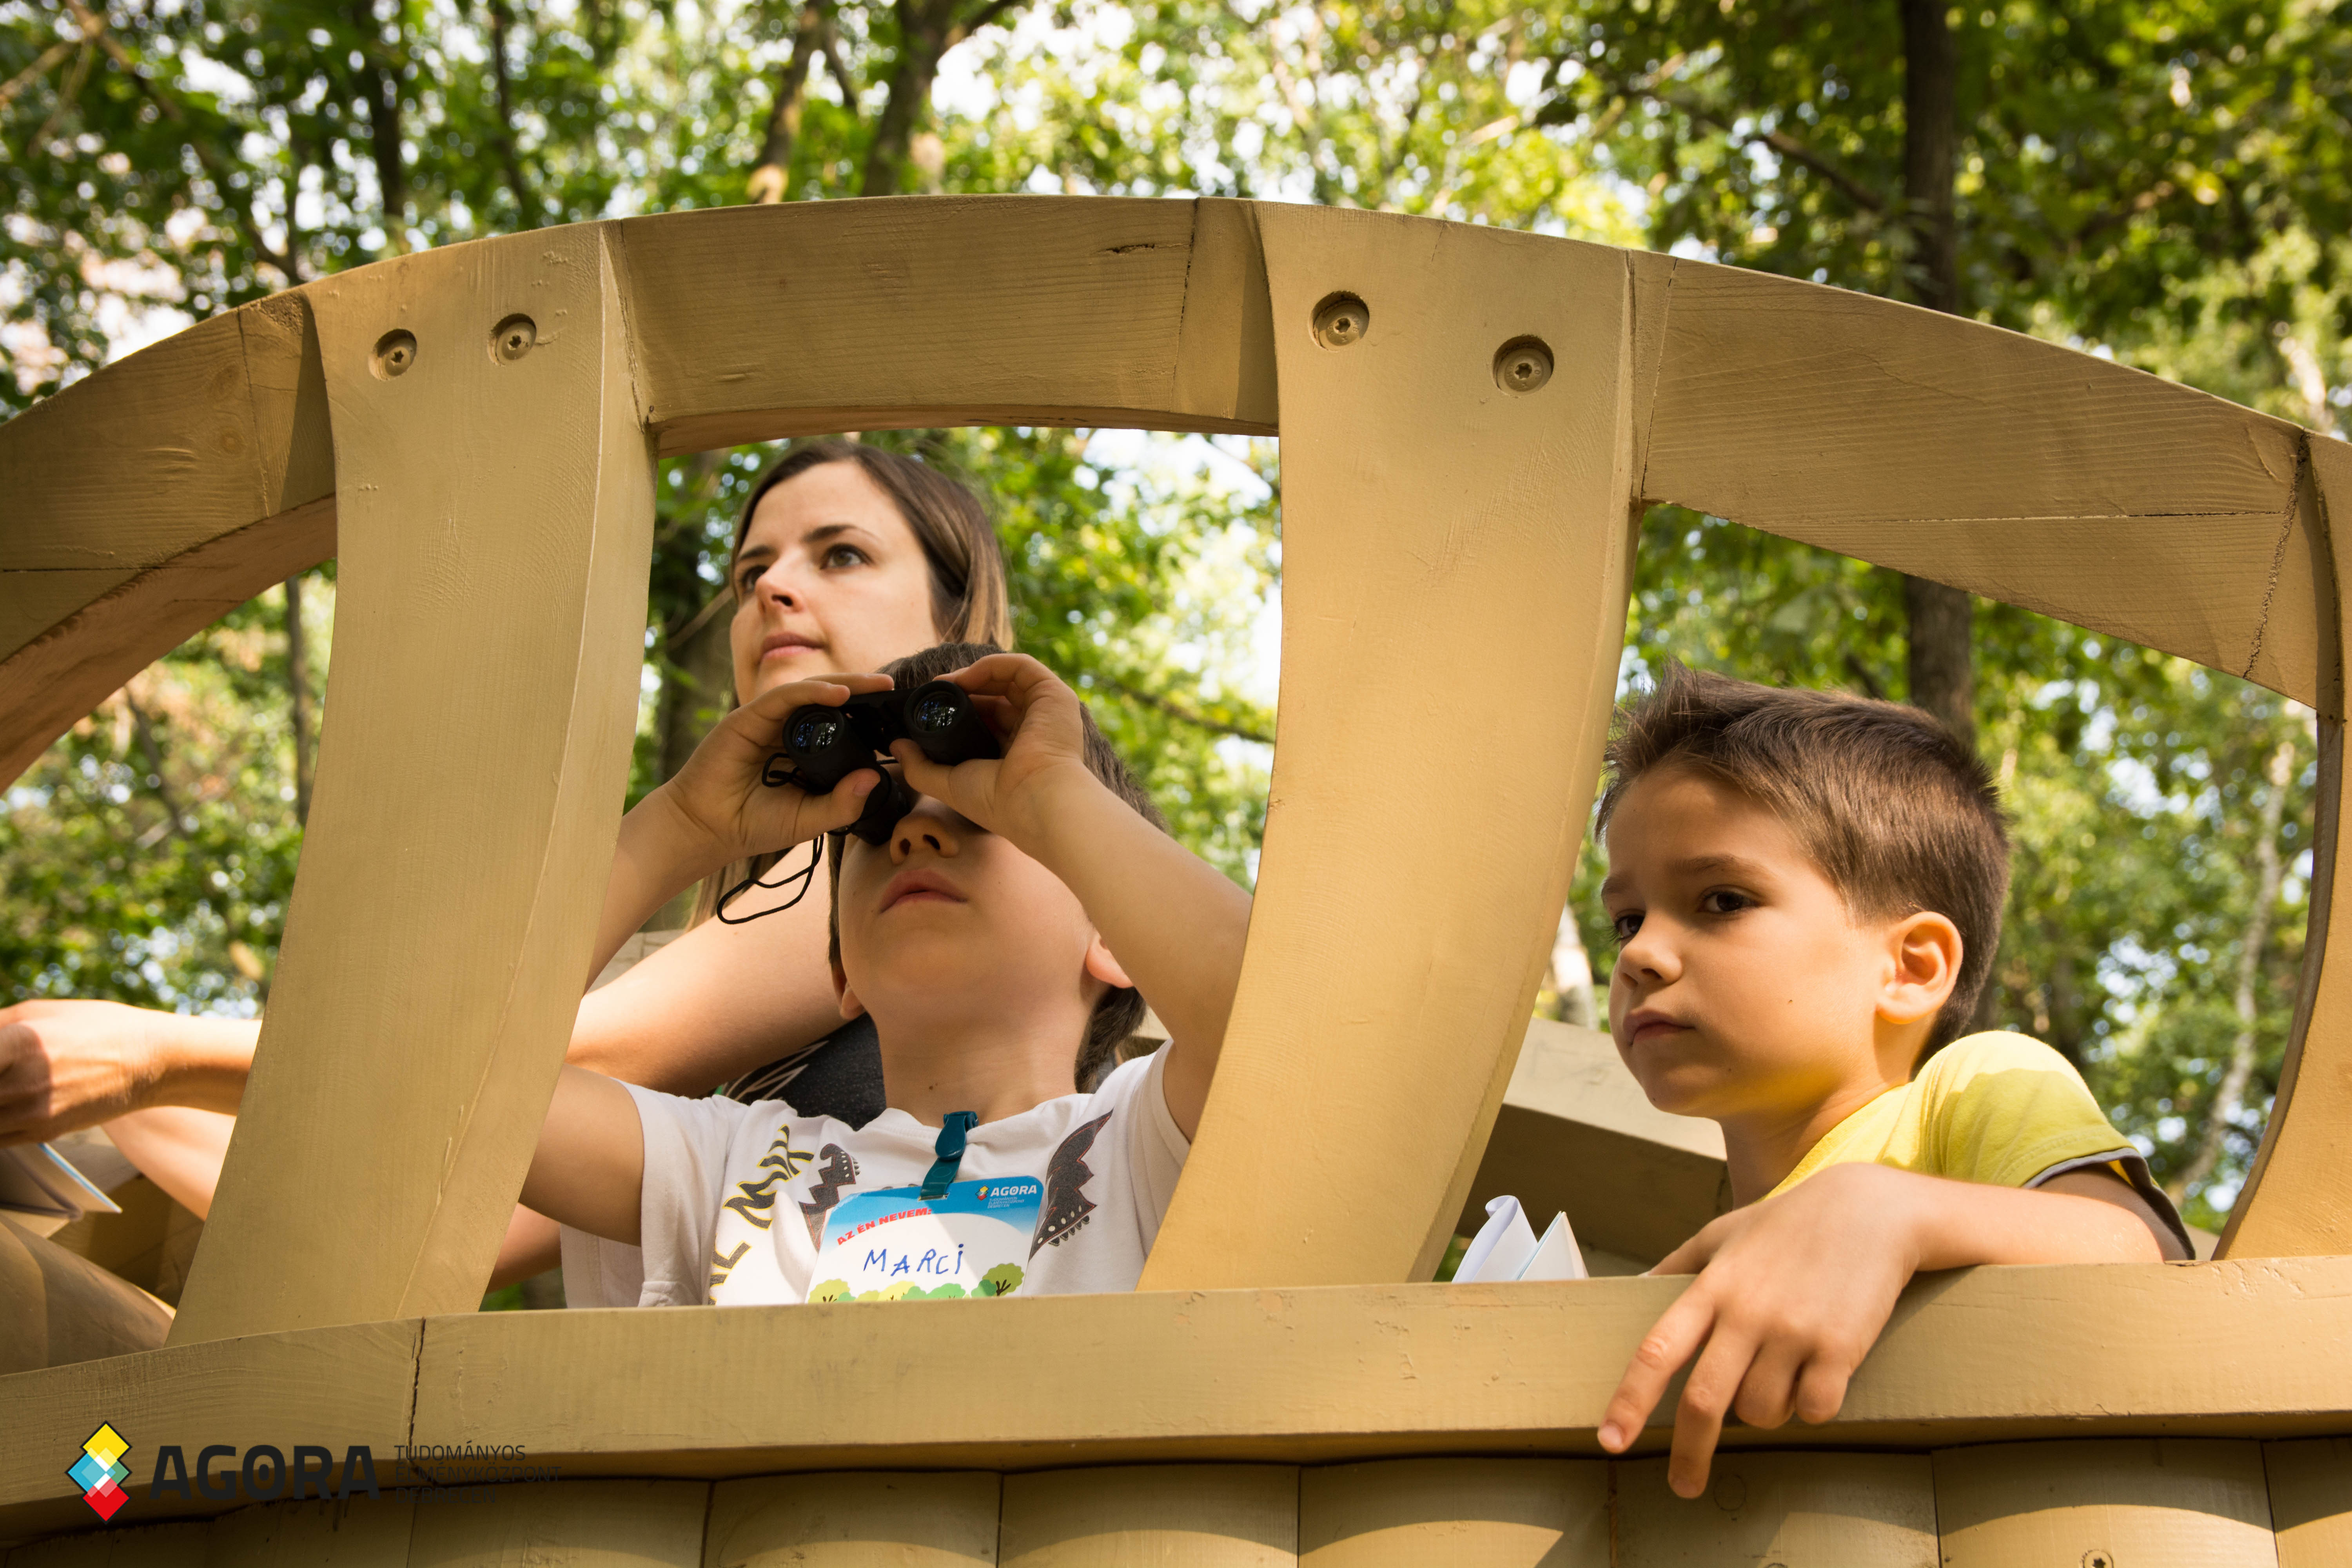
1807	891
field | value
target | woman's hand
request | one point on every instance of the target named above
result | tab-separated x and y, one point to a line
69	1064
1037	718
719	807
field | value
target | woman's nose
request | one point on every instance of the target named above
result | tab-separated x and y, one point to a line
925	828
775	587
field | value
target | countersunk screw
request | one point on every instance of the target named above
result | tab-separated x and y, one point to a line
514	338
2098	1557
394	352
1522	364
1341	320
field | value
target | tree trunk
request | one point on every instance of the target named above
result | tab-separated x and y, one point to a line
379	95
923	37
697	684
1571	975
297	691
1942	663
526	208
2230	1099
768	180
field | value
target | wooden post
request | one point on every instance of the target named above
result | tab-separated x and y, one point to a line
495	499
1456	453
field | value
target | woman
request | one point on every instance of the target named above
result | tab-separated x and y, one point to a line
845	557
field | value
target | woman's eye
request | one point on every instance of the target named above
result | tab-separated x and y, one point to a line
1625	925
844	555
1724	902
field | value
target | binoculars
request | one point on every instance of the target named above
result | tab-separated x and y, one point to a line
824	745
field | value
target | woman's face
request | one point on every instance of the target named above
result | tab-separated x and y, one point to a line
830	581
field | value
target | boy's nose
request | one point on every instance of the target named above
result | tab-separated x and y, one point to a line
927	826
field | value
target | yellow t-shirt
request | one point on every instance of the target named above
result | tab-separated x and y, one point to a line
1997	1108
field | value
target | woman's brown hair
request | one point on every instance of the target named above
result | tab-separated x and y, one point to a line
969	602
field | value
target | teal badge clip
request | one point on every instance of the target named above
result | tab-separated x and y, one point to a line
950	1150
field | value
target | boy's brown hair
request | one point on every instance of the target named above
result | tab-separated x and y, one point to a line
1120	1011
1896	812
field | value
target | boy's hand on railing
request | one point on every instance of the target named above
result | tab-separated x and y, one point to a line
721	810
1036	720
1791	1295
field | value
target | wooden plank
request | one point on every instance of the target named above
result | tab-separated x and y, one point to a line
2015	468
154	1546
1391	993
1500	1514
2297	1196
2311	1500
580	1524
1838	1510
1578	1136
365	1533
1164	1516
172	425
2190	1502
751	323
335	1387
1324	1373
63	671
147	500
495	529
854	1519
61	1309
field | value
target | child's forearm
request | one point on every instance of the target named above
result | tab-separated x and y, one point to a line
1175	923
589	1171
657	857
1956	1223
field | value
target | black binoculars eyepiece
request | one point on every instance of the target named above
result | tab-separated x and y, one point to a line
824	745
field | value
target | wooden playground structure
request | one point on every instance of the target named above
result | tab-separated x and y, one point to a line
1473	422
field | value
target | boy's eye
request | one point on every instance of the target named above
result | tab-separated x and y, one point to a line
1723	901
1626	924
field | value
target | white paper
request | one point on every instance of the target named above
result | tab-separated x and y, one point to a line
1502	1247
1557	1256
36	1179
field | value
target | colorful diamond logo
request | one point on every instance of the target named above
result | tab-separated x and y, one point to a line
99	1472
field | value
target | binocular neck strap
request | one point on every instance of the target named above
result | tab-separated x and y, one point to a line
953	1132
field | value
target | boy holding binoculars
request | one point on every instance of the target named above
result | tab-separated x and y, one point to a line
995	931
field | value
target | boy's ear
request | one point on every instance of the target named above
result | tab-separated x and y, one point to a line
1926	950
850	1007
1104	966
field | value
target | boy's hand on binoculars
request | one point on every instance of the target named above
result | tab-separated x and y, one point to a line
1037	718
1791	1295
719	796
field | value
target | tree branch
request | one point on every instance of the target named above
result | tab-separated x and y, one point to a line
1183	714
1778	142
32	73
94	30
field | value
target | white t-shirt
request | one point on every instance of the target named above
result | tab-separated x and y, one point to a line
755	1204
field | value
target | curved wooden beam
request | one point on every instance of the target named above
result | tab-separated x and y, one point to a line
2015	468
1419	494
